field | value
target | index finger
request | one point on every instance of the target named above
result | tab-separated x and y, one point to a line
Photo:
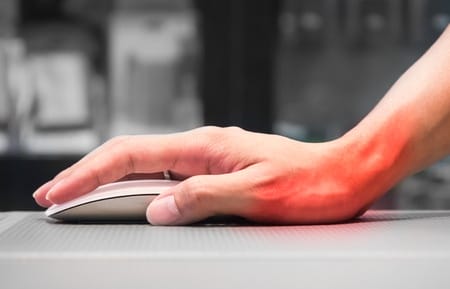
135	154
40	193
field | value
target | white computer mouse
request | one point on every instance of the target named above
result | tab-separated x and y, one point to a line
121	201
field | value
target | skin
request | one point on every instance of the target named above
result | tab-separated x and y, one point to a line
269	178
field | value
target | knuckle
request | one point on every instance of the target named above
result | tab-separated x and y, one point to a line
118	140
94	175
233	130
208	137
195	194
121	145
214	134
210	131
124	156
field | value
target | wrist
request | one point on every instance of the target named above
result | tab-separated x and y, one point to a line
378	158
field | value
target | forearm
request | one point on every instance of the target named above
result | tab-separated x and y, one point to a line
229	171
410	128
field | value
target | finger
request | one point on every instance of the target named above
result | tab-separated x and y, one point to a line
200	197
111	164
135	155
39	195
42	191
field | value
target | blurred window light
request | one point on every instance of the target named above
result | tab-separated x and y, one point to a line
12	89
153	75
59	119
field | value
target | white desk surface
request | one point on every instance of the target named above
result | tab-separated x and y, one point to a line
383	249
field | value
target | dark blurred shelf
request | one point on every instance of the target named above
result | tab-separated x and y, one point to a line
20	175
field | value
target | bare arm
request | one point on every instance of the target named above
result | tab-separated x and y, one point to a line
410	128
275	179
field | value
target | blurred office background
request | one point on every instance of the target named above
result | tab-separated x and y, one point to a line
74	73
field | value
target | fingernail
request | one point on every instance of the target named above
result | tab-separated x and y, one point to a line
163	211
43	187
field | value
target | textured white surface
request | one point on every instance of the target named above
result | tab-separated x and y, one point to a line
381	250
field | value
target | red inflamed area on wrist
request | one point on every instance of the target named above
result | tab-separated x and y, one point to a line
383	155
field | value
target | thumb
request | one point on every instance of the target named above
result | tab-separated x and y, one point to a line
200	197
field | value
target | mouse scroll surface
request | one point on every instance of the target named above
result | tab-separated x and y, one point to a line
121	201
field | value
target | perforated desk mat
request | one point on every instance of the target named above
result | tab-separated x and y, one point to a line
383	249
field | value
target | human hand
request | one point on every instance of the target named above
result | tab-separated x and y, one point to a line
229	171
